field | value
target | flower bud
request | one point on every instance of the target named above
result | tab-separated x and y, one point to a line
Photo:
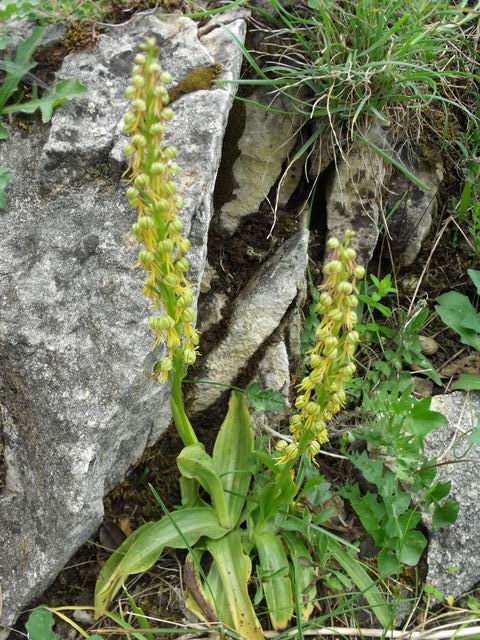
157	168
300	402
170	187
315	361
165	246
184	244
153	68
166	78
157	129
348	235
312	409
145	222
138	140
333	244
352	317
352	301
170	280
182	265
146	257
179	202
167	114
162	205
128	150
141	180
350	254
188	315
139	105
345	288
129	118
170	153
132	193
185	300
138	81
281	445
130	92
176	226
189	356
140	59
359	271
314	448
332	267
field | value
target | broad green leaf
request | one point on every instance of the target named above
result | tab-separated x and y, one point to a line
64	90
453	308
475	278
194	463
359	576
388	563
274	574
40	625
22	62
216	595
411	548
474	436
445	514
267	400
422	420
4	133
304	575
234	568
233	455
141	550
467	382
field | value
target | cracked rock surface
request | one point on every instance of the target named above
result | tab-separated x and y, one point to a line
75	353
454	552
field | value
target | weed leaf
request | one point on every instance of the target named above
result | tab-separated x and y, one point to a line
40	625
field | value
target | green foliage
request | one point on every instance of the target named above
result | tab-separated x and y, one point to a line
266	400
40	625
458	313
50	100
394	463
48	11
368	59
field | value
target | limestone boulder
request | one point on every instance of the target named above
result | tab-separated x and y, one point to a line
75	354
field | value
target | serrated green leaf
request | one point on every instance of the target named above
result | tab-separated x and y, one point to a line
23	55
467	382
233	455
266	400
444	515
411	548
422	420
64	90
40	625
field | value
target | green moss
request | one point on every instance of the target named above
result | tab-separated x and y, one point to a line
196	80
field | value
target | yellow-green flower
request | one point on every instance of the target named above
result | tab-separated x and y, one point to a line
322	392
153	193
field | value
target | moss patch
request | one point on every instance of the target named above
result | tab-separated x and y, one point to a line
197	80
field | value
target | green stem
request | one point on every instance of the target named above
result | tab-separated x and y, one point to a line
182	423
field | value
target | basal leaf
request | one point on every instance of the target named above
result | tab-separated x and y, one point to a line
411	548
233	454
194	463
4	180
65	90
4	133
140	551
40	625
274	574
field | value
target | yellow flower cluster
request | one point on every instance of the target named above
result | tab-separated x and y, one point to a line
153	193
322	392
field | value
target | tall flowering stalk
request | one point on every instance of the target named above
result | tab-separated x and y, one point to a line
322	392
153	193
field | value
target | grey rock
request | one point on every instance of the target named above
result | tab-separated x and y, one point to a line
273	372
75	353
264	146
413	208
257	312
353	198
459	544
210	310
